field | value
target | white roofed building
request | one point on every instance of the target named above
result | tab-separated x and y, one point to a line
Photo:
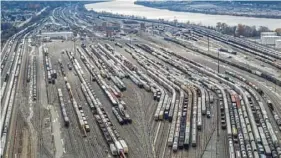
57	35
270	40
268	34
278	43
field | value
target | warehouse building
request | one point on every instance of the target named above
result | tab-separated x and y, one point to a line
268	34
269	40
278	44
142	26
57	35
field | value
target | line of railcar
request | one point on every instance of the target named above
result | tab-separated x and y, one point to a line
271	62
3	89
163	93
167	107
116	144
63	109
126	68
168	104
276	117
7	75
188	116
180	124
34	79
274	113
242	44
203	102
157	95
118	108
237	135
230	142
51	72
175	145
264	75
78	111
190	37
116	71
89	98
8	105
234	114
6	55
83	123
199	112
267	144
208	102
173	124
227	51
270	142
255	132
194	117
260	91
194	140
6	122
28	73
229	131
183	121
119	45
111	61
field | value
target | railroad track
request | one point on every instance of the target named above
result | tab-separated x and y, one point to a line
74	132
143	123
39	107
82	102
41	78
13	124
139	111
70	135
78	94
138	130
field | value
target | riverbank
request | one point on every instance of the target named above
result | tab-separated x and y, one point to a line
129	8
255	9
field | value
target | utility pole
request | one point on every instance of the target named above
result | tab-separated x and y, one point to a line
218	61
275	83
208	44
130	39
74	51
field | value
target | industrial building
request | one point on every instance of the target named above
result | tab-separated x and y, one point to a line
269	40
268	34
142	26
57	35
114	26
104	24
278	44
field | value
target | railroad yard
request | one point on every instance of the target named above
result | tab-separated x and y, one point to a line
170	90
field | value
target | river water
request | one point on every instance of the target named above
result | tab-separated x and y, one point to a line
127	7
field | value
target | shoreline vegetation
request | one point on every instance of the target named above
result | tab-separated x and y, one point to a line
257	9
239	30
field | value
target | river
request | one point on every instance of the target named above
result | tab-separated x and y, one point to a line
127	7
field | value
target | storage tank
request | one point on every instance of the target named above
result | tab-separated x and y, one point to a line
270	39
278	43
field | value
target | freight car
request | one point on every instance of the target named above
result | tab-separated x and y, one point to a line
188	117
118	44
63	109
7	76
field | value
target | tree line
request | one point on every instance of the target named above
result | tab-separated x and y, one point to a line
243	30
